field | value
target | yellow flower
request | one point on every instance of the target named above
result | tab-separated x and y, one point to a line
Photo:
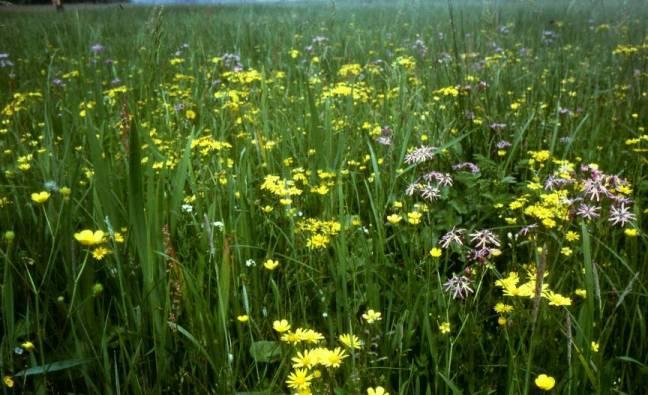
572	236
377	391
414	217
8	381
309	335
581	292
545	382
40	197
190	114
444	327
556	299
270	264
88	238
332	358
351	341
501	321
28	346
595	347
566	251
299	379
394	219
306	359
243	318
503	308
119	238
631	232
65	192
435	252
281	326
100	252
371	316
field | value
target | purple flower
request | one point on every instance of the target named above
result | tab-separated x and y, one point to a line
502	144
430	192
420	155
527	229
96	49
453	236
479	254
443	179
620	215
458	286
483	238
593	187
588	212
473	168
4	60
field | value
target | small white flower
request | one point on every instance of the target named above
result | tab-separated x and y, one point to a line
250	263
187	208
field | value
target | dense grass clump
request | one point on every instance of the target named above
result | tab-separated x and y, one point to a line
325	198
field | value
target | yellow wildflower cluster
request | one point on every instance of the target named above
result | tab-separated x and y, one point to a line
307	361
19	102
350	70
280	187
627	50
207	144
358	91
549	208
243	77
96	239
318	232
511	287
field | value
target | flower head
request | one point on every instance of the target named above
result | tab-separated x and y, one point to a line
40	197
545	382
281	326
376	391
458	286
89	238
372	316
270	264
299	379
350	341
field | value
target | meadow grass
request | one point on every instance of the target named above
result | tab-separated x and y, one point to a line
436	197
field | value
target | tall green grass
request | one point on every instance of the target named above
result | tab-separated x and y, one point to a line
160	312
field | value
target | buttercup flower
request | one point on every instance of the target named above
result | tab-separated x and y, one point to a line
376	391
372	316
544	382
89	238
270	264
281	326
40	197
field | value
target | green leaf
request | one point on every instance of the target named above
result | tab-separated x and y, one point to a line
265	351
51	367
